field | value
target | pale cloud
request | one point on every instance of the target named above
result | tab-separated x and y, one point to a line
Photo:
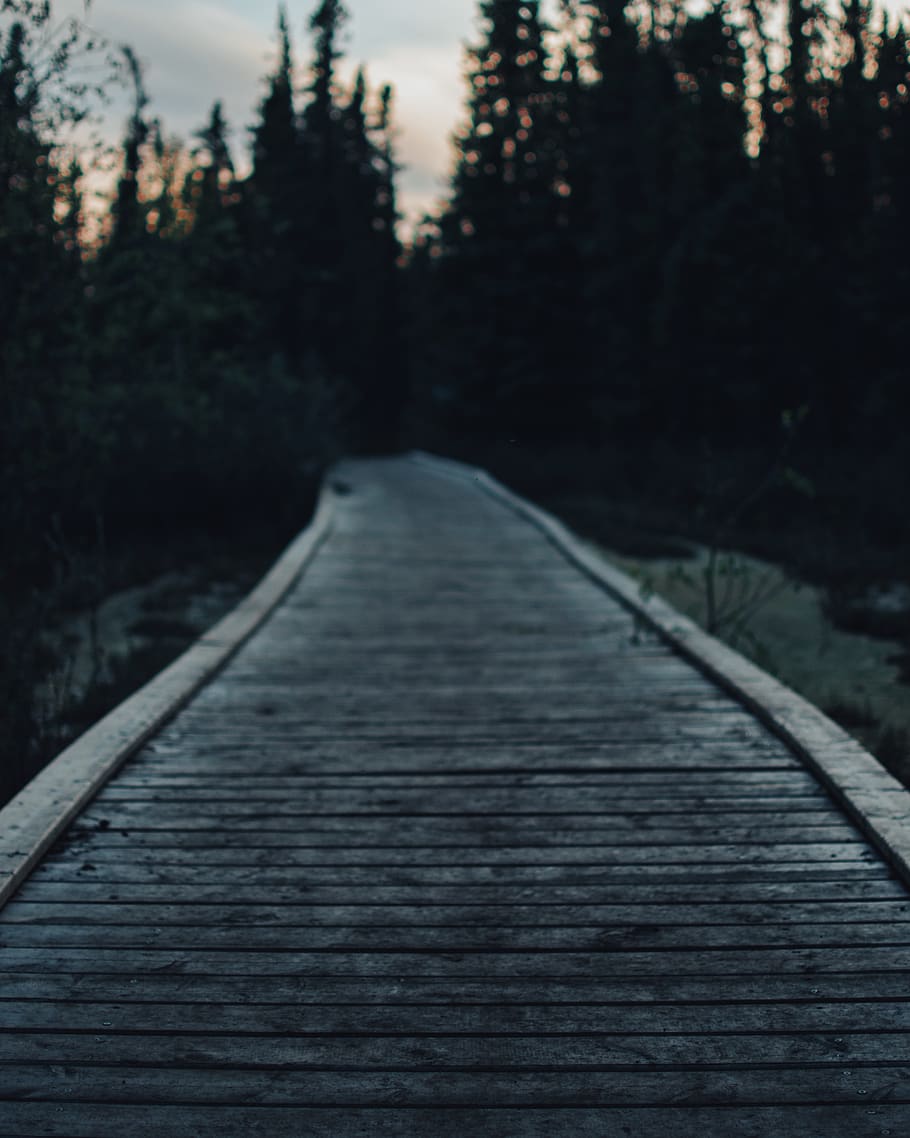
197	51
428	98
192	52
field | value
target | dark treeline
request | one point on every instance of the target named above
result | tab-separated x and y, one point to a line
668	231
200	352
199	360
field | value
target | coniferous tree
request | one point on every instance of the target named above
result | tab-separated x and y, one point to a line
850	123
892	123
322	196
627	135
217	171
505	237
321	295
41	290
275	136
275	213
322	116
127	212
888	242
26	267
215	259
72	208
384	379
710	139
499	187
711	215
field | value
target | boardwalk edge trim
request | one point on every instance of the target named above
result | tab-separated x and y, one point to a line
32	821
875	800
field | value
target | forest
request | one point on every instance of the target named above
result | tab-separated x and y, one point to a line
671	270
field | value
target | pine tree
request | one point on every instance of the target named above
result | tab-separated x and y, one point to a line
216	175
363	278
503	236
171	209
41	300
319	236
385	386
127	211
892	123
27	261
275	208
630	131
386	198
710	142
72	206
573	170
887	243
796	148
849	115
26	176
321	199
500	182
275	136
322	114
694	307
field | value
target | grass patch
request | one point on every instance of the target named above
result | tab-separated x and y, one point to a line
850	715
619	529
111	617
125	673
163	628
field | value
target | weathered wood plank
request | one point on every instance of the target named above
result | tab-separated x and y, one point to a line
845	990
299	818
255	891
638	778
730	962
69	1028
452	837
704	879
515	791
517	754
895	913
591	1086
457	939
440	801
485	836
265	849
397	1049
96	1120
343	758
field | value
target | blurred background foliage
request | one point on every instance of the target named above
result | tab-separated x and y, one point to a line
669	230
676	248
196	362
676	226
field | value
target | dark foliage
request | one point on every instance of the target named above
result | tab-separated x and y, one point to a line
657	242
198	363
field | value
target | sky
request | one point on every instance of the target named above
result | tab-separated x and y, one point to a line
197	51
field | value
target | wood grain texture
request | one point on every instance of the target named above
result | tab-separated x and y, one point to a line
454	844
35	818
872	797
93	1120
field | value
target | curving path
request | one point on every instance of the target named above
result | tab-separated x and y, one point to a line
454	845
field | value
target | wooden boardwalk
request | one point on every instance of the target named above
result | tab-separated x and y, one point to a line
453	846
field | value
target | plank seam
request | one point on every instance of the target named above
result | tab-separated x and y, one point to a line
32	821
870	796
